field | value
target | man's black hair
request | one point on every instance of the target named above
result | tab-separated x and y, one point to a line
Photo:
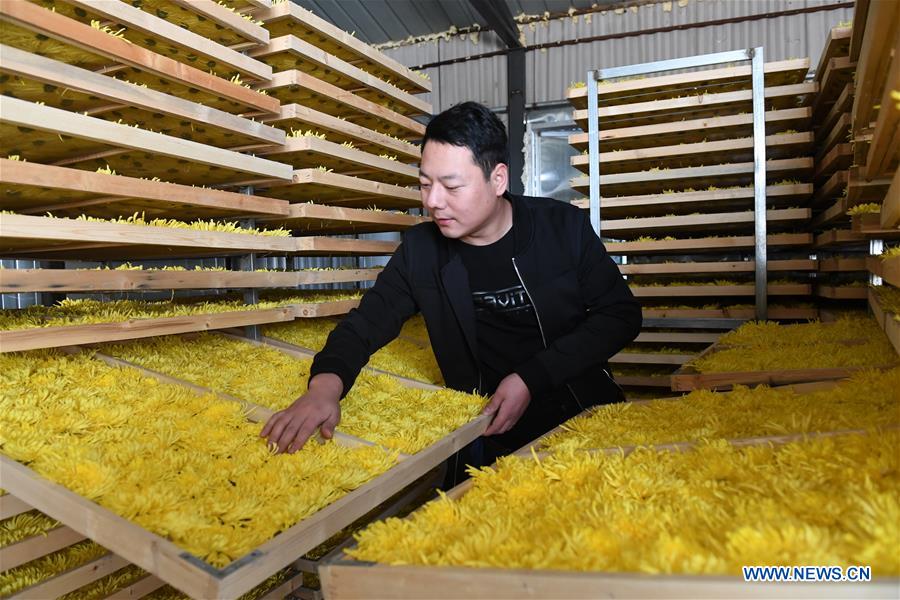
475	127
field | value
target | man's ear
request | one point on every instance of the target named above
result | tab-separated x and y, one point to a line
500	179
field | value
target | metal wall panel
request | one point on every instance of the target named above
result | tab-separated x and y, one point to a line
551	70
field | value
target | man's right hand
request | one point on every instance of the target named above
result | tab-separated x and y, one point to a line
318	408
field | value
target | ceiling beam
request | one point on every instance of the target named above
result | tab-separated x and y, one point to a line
500	19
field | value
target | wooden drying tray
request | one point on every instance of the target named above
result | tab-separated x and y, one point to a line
836	292
890	210
303	118
722	175
839	237
887	321
869	225
290	52
709	244
838	158
862	191
192	576
832	189
838	135
287	18
718	80
714	291
37	79
209	20
316	185
346	578
833	215
656	381
707	223
32	188
297	87
310	152
746	314
317	218
778	146
837	44
690	268
646	358
14	281
695	130
843	104
838	73
883	157
676	337
40	31
702	201
69	239
50	135
687	378
704	106
876	76
840	264
148	31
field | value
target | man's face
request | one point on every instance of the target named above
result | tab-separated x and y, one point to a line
462	203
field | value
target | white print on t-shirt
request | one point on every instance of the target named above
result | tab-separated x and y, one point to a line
501	301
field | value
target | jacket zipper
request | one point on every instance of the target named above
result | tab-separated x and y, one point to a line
541	327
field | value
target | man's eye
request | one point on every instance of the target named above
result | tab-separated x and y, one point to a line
424	186
452	189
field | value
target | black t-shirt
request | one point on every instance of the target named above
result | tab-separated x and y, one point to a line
505	324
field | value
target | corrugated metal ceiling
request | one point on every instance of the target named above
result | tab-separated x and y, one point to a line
377	21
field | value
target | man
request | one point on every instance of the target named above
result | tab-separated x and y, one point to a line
521	301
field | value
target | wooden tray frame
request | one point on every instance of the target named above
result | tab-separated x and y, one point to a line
336	189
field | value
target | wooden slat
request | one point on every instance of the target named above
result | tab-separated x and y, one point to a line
702	201
647	182
786	145
834	292
837	135
695	130
79	90
708	223
861	190
74	280
884	152
148	30
73	335
747	314
687	268
29	549
873	66
138	589
712	244
313	152
301	118
60	37
836	44
841	265
713	291
298	87
216	164
676	337
289	18
290	52
696	82
74	579
838	237
890	210
838	73
23	235
211	20
842	105
646	358
837	159
695	107
317	185
834	214
323	219
34	188
643	381
832	189
687	378
11	506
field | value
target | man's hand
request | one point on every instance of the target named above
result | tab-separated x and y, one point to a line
508	404
289	429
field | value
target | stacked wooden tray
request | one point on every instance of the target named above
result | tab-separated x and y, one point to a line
676	188
187	111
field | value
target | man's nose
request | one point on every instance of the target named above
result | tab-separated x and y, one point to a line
433	198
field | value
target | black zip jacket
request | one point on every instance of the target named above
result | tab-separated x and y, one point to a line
585	311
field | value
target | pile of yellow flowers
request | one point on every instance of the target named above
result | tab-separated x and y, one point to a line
25	525
408	356
849	342
827	501
378	408
868	399
187	467
86	311
864	209
889	299
199	225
